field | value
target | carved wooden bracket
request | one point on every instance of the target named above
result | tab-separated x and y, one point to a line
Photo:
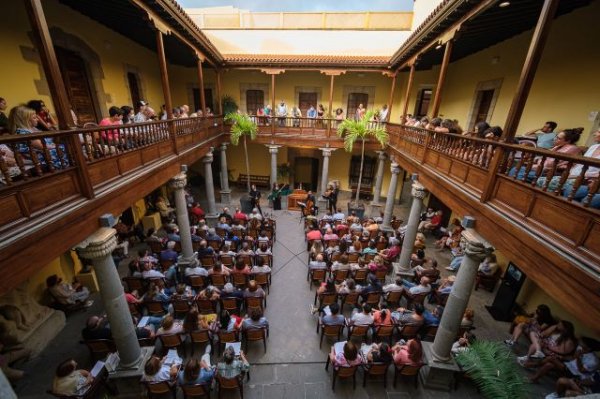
333	72
272	71
199	56
389	74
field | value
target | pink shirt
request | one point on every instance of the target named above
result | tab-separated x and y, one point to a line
110	134
570	149
401	357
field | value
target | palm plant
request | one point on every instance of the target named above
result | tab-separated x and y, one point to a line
494	370
242	126
353	130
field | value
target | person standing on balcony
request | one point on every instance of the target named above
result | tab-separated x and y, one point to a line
297	114
282	112
312	112
545	135
141	115
360	112
268	113
383	113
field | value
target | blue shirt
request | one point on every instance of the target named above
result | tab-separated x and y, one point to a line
204	377
546	140
430	319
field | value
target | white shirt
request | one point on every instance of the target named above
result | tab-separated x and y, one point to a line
590	364
139	118
196	271
317	265
362	319
419	289
152	273
393	288
592	170
339	216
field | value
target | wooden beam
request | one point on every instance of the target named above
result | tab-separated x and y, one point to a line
219	94
164	77
201	83
273	104
532	60
441	78
411	77
391	98
331	78
58	91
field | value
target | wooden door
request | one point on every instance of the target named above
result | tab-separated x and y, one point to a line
134	88
255	99
423	101
485	101
354	99
74	73
305	100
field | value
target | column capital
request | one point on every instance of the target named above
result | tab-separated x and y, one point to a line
99	244
223	146
208	158
273	149
381	155
418	191
474	245
395	168
327	151
179	181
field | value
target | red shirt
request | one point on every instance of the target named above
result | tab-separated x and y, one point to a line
314	235
240	216
196	210
436	220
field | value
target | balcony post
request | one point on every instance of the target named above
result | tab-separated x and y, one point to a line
219	99
211	214
164	77
391	99
322	203
225	191
273	119
58	91
476	249
375	205
418	194
98	248
331	79
532	60
187	257
441	79
411	76
201	84
389	202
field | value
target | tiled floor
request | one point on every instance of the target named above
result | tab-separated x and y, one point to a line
293	366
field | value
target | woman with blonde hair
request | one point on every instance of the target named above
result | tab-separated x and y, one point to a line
22	120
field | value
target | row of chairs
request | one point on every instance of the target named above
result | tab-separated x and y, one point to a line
160	389
318	276
205	306
229	260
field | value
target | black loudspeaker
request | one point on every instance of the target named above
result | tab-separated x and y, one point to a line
502	307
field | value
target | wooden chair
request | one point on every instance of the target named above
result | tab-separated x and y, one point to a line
177	247
255	334
227	260
316	276
331	330
373	298
99	348
181	307
350	299
340	275
384	332
225	337
199	337
381	275
229	304
170	341
215	244
194	391
264	280
147	341
368	257
155	308
268	259
135	283
360	276
419	298
239	280
230	384
160	389
325	299
407	371
342	372
166	264
353	257
358	331
375	369
254	302
220	232
218	280
408	332
197	282
206	306
207	261
134	309
430	332
380	246
155	246
195	246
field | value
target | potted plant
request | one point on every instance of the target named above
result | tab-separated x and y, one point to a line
492	367
361	130
228	105
242	127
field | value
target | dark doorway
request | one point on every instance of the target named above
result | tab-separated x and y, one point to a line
134	88
305	100
354	99
255	99
75	75
438	205
208	98
306	171
127	217
483	102
368	175
423	100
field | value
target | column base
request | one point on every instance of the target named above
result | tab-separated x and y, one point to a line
437	375
386	228
225	197
127	380
402	272
183	262
322	204
374	209
211	220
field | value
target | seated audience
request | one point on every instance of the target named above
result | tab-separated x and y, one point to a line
409	353
231	367
197	371
70	381
68	294
156	370
347	358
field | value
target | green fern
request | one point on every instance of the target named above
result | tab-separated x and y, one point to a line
494	370
353	130
242	126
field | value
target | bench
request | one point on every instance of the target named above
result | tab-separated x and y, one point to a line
260	181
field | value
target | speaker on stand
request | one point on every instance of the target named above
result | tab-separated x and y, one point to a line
506	297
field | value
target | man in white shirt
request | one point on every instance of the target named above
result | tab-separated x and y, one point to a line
151	273
413	289
318	263
140	116
282	112
363	318
394	287
383	113
339	215
196	271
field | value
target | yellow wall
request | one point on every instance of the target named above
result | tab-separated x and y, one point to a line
63	266
260	159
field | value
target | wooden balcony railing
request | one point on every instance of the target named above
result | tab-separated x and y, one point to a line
548	192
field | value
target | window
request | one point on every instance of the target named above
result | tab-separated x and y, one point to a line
423	100
354	100
368	171
208	99
255	99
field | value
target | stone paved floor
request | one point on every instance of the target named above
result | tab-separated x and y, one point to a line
293	366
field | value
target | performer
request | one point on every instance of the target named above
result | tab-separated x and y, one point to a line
255	198
275	196
334	197
311	208
328	195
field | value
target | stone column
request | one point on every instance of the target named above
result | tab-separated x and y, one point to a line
391	196
322	203
273	150
418	194
187	257
211	212
476	249
98	248
225	191
379	179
